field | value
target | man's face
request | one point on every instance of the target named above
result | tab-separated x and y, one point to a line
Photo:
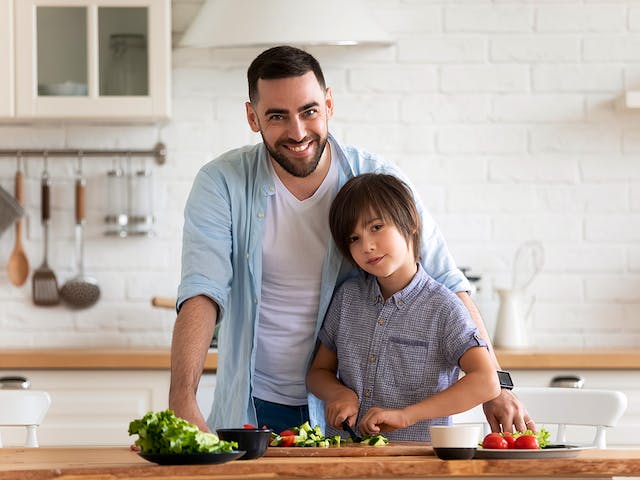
292	115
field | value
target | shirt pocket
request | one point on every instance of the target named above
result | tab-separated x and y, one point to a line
406	363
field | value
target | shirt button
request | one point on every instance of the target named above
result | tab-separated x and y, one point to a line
381	321
367	393
372	358
255	300
260	214
247	255
400	302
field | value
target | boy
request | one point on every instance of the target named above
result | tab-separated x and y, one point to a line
394	340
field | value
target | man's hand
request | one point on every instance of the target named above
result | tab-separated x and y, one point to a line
505	413
378	420
190	411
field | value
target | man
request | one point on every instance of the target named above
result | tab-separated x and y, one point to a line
257	257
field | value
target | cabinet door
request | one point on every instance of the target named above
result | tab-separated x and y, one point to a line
6	58
92	407
88	59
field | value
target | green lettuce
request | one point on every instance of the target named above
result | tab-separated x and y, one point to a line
543	436
163	432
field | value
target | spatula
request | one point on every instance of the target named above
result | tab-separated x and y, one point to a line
45	284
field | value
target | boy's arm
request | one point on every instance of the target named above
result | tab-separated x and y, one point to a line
505	411
478	385
341	403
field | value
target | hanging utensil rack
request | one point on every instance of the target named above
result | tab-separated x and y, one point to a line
159	153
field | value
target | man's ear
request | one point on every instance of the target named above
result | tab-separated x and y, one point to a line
252	117
328	98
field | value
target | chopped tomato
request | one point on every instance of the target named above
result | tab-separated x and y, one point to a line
264	427
248	426
527	442
287	433
495	440
287	440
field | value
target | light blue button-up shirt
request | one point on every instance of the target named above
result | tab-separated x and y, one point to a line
222	259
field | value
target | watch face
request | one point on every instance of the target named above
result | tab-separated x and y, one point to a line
505	380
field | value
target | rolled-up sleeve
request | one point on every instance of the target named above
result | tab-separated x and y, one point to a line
207	243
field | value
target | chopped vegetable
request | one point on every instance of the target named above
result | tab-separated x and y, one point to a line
163	432
307	436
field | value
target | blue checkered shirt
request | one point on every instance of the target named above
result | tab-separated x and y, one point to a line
397	352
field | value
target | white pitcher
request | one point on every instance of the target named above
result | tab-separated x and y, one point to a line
511	324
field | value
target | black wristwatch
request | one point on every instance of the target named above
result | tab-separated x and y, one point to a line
505	380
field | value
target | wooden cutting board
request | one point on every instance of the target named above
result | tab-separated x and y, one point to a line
354	450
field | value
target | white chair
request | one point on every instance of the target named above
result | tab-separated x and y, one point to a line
562	407
24	408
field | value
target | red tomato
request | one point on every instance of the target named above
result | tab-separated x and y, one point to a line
494	440
528	442
264	427
287	433
511	441
287	441
248	426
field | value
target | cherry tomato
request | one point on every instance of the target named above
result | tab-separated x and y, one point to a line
248	426
495	440
511	441
528	442
287	441
264	427
287	433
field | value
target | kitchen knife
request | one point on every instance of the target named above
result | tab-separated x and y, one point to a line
352	434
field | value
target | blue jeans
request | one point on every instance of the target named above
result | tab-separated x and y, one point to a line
280	417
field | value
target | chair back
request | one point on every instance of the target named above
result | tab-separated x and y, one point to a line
562	407
24	408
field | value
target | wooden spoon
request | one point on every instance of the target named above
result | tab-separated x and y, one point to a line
18	267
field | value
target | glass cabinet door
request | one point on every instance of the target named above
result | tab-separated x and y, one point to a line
6	58
123	51
93	59
61	51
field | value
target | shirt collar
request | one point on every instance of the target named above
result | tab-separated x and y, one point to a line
404	296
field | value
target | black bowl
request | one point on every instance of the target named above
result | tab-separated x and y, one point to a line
253	440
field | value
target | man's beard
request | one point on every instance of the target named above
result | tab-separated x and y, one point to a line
298	169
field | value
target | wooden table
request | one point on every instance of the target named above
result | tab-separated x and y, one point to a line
111	463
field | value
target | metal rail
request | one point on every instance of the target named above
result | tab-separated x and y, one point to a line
159	153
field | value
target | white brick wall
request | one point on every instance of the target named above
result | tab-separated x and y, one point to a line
506	114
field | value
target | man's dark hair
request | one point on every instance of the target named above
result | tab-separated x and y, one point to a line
281	62
380	194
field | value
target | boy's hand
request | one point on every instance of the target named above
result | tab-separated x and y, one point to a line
378	420
343	407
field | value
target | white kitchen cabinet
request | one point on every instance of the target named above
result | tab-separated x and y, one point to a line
6	58
87	59
93	407
626	381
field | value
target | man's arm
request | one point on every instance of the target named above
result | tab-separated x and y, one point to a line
192	335
504	412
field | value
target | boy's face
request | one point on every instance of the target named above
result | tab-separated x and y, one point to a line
292	115
379	248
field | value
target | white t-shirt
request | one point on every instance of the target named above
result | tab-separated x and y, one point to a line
294	243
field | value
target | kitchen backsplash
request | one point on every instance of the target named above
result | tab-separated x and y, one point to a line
507	115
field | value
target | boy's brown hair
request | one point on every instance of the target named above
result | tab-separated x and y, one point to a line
386	196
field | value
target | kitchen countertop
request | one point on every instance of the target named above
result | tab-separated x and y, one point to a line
93	359
159	358
96	463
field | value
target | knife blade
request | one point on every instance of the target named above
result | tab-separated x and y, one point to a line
352	434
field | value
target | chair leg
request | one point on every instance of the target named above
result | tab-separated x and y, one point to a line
0	440
601	437
32	438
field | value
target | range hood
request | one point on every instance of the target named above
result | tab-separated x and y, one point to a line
266	23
